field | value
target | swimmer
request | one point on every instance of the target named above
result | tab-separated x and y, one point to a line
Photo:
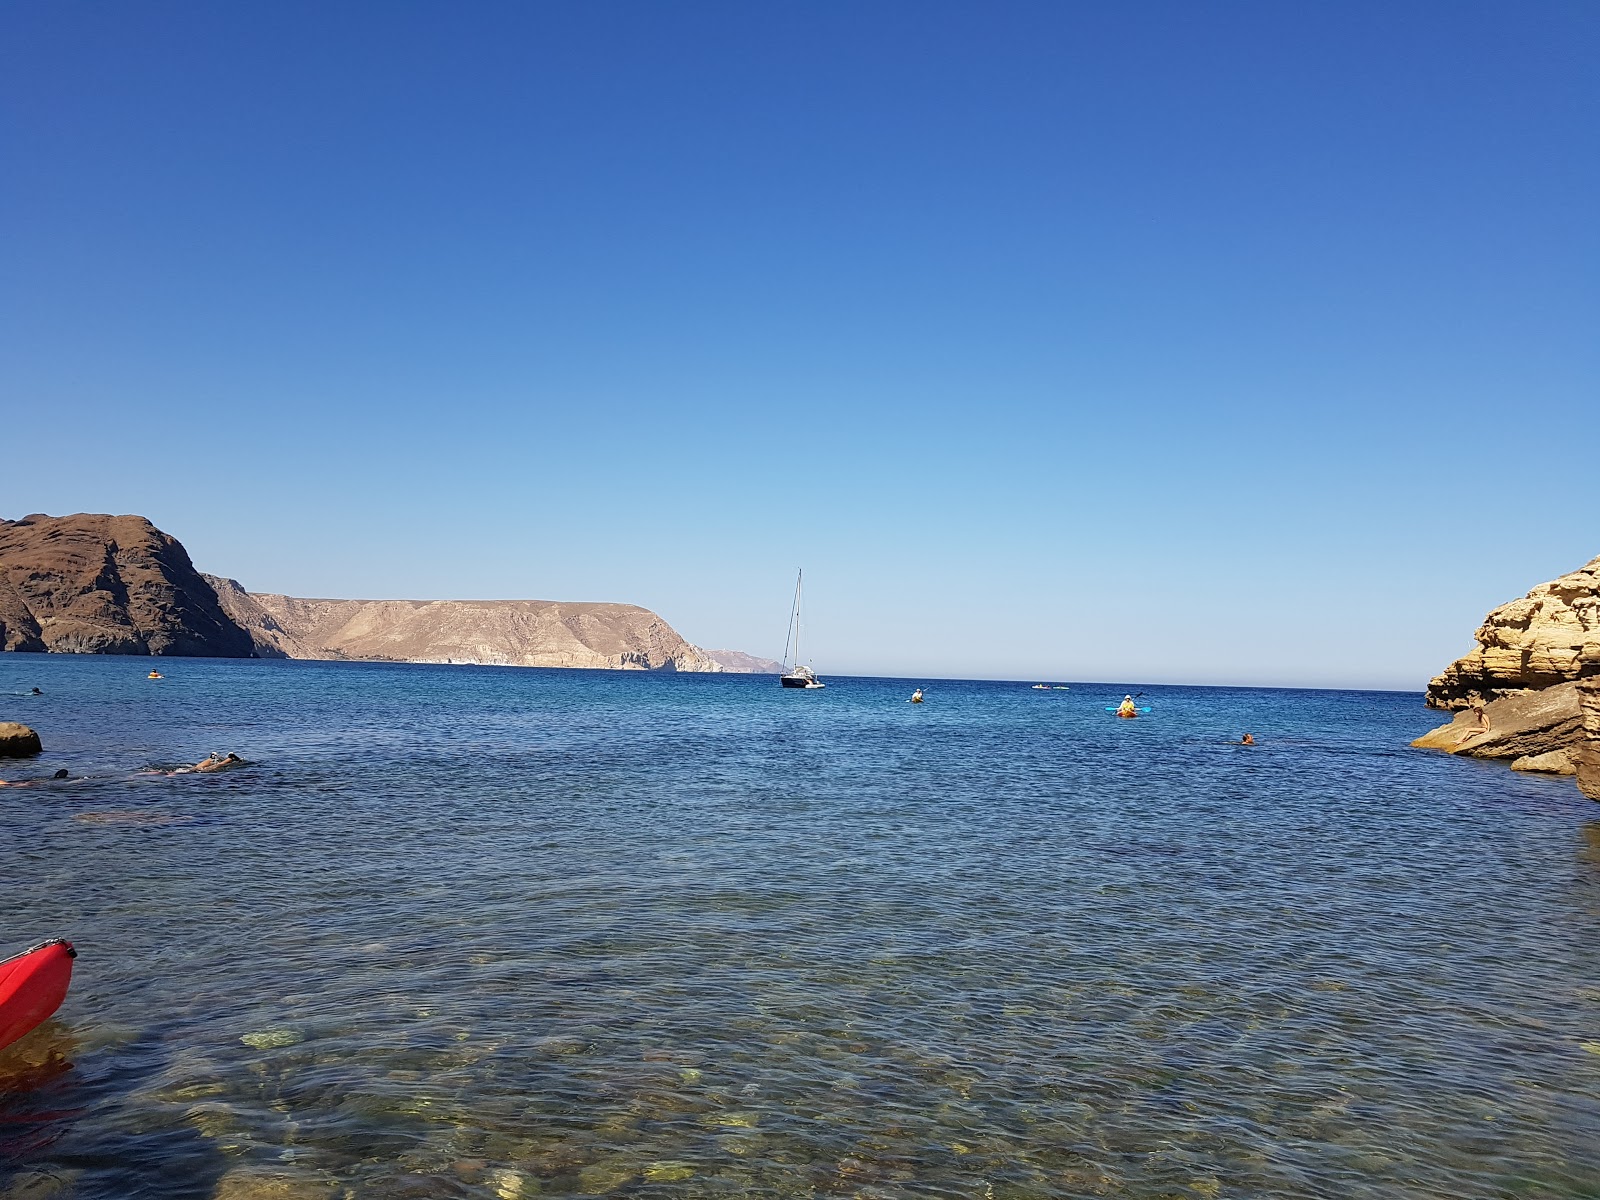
1127	708
218	762
36	692
16	783
916	697
1247	740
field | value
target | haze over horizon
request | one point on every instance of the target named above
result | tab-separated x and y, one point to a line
1246	344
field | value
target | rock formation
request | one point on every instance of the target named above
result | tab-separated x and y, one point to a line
1526	725
1536	674
744	664
96	584
1550	636
17	741
524	633
1586	756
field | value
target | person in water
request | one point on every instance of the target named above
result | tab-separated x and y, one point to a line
36	692
218	762
1247	740
1127	708
63	773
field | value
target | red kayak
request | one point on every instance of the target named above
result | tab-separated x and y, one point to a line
32	986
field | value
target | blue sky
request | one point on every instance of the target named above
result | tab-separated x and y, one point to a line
1235	343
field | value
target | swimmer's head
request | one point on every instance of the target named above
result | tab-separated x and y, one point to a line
61	774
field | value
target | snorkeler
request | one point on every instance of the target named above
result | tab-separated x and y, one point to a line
218	762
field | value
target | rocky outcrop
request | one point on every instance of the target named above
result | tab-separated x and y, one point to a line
525	633
97	584
1550	636
17	741
741	663
1524	725
1551	762
1586	756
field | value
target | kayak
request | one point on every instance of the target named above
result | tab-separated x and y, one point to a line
32	986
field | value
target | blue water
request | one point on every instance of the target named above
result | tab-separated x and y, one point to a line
490	932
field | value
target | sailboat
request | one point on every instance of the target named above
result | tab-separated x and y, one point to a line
801	676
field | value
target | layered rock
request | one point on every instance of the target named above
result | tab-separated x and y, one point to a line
1527	725
1586	756
526	633
1550	636
97	584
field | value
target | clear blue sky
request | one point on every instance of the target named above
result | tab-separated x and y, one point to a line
1235	342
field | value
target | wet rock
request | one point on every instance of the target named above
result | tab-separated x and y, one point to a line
17	741
1553	762
1520	726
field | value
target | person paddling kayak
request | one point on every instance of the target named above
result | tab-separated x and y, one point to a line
1127	708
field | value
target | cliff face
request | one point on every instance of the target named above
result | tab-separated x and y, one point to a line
524	633
97	584
744	664
1550	636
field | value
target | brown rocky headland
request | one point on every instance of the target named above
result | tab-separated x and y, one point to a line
523	633
1549	636
97	584
1529	693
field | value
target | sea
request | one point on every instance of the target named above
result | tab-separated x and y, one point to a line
498	932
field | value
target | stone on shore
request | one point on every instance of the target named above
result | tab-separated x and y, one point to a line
1552	762
1520	726
17	741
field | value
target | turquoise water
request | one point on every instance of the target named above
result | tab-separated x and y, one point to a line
489	932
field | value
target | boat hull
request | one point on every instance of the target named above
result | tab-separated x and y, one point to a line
798	681
32	987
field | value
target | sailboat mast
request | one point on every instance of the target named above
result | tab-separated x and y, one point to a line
798	580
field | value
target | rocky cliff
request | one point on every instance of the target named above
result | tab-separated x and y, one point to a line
744	664
97	584
1550	636
524	633
1533	684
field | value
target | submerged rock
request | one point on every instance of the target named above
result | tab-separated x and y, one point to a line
243	1183
18	741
